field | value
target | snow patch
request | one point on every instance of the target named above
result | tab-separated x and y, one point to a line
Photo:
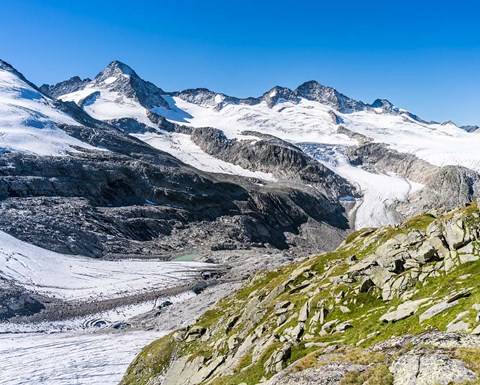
182	147
80	278
29	121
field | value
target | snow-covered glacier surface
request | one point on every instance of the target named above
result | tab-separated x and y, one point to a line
380	190
80	278
29	121
72	358
311	121
74	350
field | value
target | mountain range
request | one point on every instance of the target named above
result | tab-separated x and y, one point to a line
174	163
101	176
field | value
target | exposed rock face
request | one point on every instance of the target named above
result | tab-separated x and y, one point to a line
378	157
15	301
339	328
470	128
313	90
73	84
422	367
445	187
129	199
273	155
122	201
449	187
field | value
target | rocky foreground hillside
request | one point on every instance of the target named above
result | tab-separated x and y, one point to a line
396	305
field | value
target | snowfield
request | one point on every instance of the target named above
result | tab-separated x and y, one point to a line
29	121
108	105
67	352
183	148
310	121
73	358
380	191
80	278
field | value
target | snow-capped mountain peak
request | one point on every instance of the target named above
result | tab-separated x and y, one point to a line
314	91
383	104
117	92
114	72
278	94
30	120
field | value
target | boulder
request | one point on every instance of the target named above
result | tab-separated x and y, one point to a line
340	328
304	311
422	367
425	253
436	309
366	285
454	233
403	311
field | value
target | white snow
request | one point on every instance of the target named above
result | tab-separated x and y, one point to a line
380	191
64	354
29	121
110	80
309	121
109	105
303	122
80	278
71	358
219	98
182	147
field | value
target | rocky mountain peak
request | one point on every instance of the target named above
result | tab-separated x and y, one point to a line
278	94
313	90
382	103
116	68
73	84
6	66
121	78
470	128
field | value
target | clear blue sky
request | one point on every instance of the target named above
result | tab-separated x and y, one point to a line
421	55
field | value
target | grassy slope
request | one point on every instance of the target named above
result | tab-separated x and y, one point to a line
365	309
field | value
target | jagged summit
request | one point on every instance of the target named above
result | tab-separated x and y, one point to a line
312	90
6	66
116	68
71	85
120	77
384	104
278	94
113	84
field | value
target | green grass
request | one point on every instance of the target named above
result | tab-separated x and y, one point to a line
376	375
153	360
366	309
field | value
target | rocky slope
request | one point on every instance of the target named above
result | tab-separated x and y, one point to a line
101	192
444	188
394	305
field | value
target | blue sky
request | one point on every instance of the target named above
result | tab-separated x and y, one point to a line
421	55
